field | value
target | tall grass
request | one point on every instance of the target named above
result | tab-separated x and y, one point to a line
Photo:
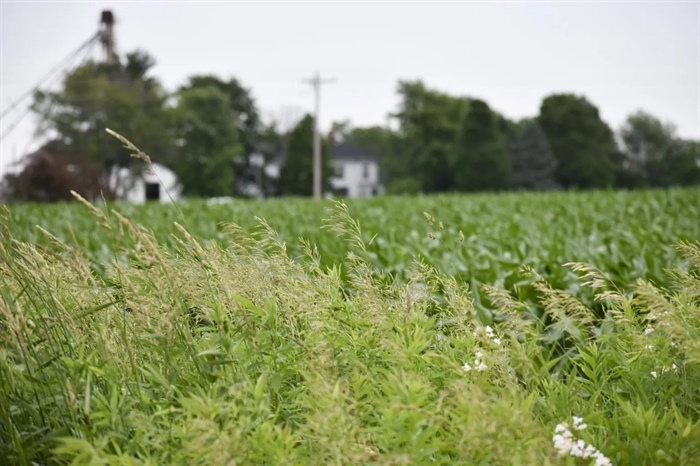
240	355
233	352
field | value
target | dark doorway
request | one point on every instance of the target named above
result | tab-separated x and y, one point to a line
152	192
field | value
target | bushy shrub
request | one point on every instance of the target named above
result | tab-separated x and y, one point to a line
48	177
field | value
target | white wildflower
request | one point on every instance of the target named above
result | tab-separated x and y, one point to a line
497	341
649	347
654	374
489	331
578	423
565	444
478	364
578	449
649	330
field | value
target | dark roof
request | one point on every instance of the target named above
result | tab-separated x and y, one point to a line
347	151
343	151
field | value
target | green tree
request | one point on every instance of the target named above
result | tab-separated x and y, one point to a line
245	117
483	162
95	96
296	175
339	131
429	123
375	140
272	142
207	142
583	144
533	161
686	163
653	155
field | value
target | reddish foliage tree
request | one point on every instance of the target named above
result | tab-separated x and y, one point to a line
48	177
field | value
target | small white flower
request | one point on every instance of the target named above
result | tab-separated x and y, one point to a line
467	367
560	444
649	330
480	366
565	444
489	331
479	354
578	423
654	374
497	341
675	368
649	347
579	449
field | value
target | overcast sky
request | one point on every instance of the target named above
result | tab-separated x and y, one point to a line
623	56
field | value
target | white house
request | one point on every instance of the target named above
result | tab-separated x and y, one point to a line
155	183
356	171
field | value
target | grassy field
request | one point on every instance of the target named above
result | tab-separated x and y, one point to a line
428	330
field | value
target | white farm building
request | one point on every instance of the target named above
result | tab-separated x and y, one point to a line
154	183
356	171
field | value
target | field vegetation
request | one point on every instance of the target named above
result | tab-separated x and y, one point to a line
486	329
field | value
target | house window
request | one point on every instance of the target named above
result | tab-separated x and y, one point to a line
152	191
365	170
339	170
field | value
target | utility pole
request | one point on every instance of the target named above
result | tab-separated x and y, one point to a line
316	82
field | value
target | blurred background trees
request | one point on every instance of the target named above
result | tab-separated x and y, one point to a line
209	130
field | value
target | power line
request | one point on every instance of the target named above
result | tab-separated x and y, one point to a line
58	67
316	83
26	111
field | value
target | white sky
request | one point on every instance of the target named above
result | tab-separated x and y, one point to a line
623	56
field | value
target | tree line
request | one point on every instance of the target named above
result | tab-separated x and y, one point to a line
447	143
208	130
